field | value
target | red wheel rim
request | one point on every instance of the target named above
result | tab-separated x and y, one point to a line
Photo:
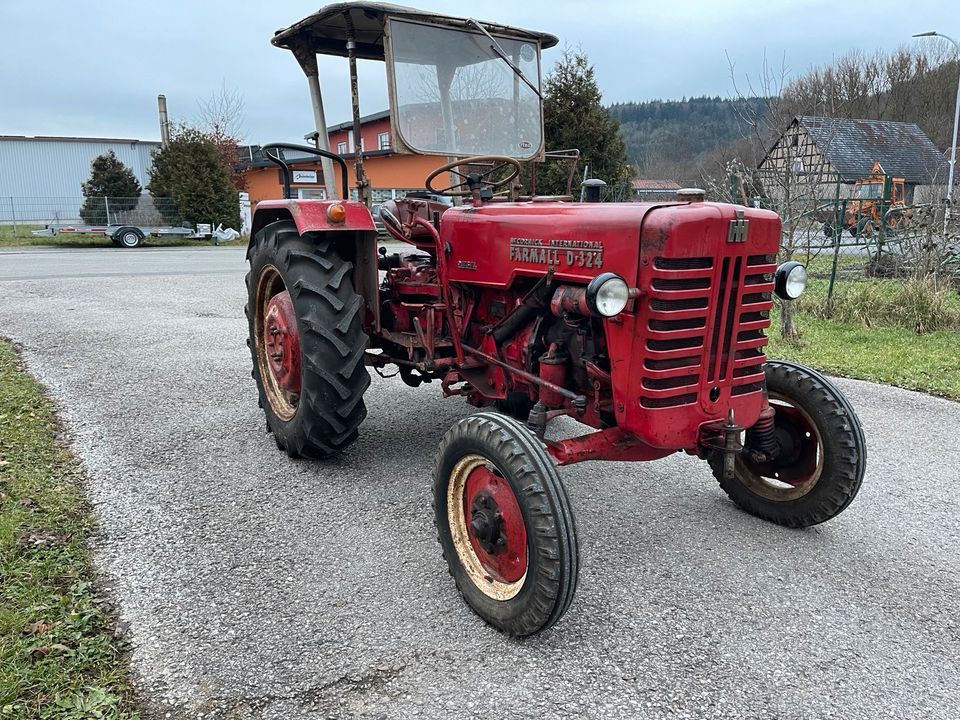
282	343
487	528
495	526
791	477
277	344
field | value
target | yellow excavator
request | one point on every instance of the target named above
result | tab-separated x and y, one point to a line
877	202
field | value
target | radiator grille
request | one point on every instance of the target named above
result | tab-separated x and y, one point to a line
705	322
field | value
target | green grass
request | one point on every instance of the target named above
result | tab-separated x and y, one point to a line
24	238
60	655
897	356
871	332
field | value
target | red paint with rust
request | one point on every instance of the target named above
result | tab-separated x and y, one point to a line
282	342
687	349
690	347
609	444
311	215
487	491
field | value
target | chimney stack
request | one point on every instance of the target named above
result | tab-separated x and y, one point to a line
164	121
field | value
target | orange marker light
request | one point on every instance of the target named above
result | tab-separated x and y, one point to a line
336	213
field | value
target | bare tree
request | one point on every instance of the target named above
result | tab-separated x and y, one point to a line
221	119
796	181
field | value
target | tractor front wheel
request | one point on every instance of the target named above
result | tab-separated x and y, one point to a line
505	524
306	340
822	458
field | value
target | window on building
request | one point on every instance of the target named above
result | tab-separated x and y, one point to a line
341	148
383	141
311	194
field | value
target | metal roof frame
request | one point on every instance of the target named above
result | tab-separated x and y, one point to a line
325	32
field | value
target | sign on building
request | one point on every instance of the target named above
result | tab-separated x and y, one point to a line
304	176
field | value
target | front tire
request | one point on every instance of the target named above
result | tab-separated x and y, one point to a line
823	453
306	340
505	524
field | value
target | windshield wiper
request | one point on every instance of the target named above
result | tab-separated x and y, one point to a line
503	56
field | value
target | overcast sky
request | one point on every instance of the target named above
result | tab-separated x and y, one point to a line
95	68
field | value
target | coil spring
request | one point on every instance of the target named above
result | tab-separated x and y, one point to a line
762	435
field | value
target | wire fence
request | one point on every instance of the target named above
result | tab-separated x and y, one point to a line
25	214
896	266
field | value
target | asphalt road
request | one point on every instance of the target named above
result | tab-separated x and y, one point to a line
259	587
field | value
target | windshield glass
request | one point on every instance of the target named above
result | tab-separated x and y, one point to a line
455	96
869	191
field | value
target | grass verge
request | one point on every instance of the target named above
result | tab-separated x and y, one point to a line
894	355
23	238
61	656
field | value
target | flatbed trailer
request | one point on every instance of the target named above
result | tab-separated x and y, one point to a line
131	236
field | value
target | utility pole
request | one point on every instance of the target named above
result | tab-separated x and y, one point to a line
956	122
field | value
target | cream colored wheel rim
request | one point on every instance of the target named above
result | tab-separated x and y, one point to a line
457	522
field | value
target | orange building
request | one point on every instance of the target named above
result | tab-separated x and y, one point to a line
390	174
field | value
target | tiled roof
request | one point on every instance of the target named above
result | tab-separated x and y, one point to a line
853	146
348	125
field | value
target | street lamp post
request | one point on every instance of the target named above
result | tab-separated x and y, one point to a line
956	122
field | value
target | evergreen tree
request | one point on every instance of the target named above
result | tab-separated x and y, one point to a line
190	172
574	117
111	179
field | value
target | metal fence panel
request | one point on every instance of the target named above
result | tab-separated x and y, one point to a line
42	211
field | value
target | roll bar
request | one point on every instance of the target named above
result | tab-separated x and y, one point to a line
285	166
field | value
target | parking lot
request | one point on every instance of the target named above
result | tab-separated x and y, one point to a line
255	586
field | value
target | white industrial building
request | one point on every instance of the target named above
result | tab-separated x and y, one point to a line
41	177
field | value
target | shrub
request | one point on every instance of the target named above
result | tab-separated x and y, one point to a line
190	171
111	179
923	303
919	303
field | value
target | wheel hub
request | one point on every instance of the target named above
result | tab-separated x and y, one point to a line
495	525
486	523
797	467
282	343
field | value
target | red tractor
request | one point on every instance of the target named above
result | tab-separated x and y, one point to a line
642	321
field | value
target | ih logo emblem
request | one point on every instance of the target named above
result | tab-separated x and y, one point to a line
738	229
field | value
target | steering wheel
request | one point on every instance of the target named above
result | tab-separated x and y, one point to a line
473	181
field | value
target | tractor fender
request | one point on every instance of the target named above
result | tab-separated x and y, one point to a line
311	215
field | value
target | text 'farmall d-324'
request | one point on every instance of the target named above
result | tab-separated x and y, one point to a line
644	322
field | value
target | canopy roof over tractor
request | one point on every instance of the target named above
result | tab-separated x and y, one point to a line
325	32
457	87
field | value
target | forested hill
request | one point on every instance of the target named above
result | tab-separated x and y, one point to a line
663	136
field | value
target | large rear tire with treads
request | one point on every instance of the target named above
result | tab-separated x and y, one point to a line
306	340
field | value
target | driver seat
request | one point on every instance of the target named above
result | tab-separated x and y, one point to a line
401	208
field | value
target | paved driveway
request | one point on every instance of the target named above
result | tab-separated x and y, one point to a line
260	587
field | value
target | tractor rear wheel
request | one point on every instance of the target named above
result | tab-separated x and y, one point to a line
505	524
823	453
306	341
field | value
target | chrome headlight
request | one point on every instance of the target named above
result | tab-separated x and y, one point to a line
790	280
607	294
